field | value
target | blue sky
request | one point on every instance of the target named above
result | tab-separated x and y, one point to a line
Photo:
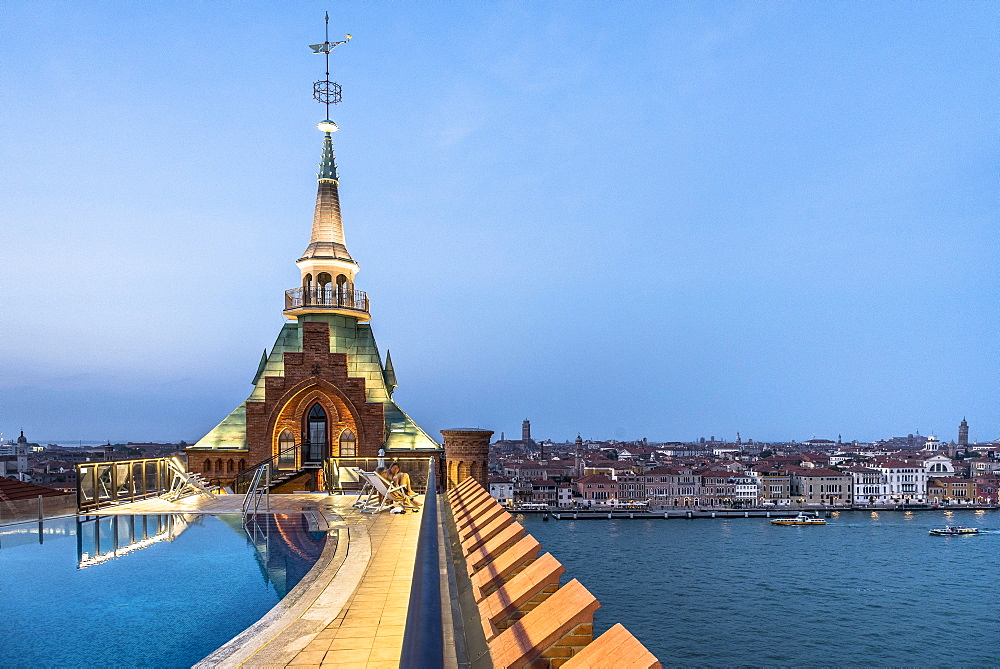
662	220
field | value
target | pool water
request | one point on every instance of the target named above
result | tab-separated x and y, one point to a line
143	591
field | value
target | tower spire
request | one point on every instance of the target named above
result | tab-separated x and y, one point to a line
327	239
327	268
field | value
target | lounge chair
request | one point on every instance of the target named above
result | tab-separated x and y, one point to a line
368	493
389	495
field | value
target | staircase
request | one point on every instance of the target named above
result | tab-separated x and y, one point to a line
294	480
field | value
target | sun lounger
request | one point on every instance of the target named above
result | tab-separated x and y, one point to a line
388	495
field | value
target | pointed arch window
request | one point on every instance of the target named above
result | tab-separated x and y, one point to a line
348	444
316	431
286	449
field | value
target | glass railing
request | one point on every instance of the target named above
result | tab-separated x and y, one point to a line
102	484
38	508
341	478
103	538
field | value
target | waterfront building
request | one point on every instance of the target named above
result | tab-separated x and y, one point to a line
564	494
717	488
820	486
683	487
543	491
502	489
907	481
936	491
868	485
948	489
773	483
323	390
987	488
632	487
596	490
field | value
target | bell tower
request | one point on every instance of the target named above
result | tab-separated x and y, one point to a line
326	267
323	391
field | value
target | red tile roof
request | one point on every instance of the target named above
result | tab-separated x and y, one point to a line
12	490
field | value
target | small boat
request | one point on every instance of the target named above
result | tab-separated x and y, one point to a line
801	519
954	530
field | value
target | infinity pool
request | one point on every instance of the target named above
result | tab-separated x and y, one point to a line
143	591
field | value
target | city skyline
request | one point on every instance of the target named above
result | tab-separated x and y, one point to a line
625	221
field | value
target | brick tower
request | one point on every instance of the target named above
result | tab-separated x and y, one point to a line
963	433
466	452
323	390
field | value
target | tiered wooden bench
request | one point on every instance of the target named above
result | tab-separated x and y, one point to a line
528	619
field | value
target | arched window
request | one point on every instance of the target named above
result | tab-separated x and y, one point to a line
348	444
344	289
230	466
317	433
208	465
242	464
307	289
325	287
218	465
286	449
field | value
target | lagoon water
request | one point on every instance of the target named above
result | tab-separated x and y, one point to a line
868	589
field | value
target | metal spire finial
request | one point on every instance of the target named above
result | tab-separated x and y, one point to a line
327	92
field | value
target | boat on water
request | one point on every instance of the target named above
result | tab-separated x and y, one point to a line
801	519
954	530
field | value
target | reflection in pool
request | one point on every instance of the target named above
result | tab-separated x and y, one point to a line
154	590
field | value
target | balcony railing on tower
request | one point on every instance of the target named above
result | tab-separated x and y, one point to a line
326	298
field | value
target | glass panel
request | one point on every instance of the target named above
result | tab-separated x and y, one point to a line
104	482
138	480
152	485
87	483
124	480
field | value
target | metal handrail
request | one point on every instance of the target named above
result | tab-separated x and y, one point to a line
248	473
258	489
423	636
333	298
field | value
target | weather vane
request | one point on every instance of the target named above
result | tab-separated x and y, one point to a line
327	92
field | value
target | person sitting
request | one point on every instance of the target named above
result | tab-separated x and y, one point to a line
393	479
401	478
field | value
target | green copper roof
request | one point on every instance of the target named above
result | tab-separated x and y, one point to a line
389	374
327	162
363	361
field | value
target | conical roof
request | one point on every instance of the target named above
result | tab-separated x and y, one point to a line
327	239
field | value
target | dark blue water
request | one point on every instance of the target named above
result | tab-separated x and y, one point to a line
865	590
68	602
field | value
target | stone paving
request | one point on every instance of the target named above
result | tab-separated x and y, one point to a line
369	632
